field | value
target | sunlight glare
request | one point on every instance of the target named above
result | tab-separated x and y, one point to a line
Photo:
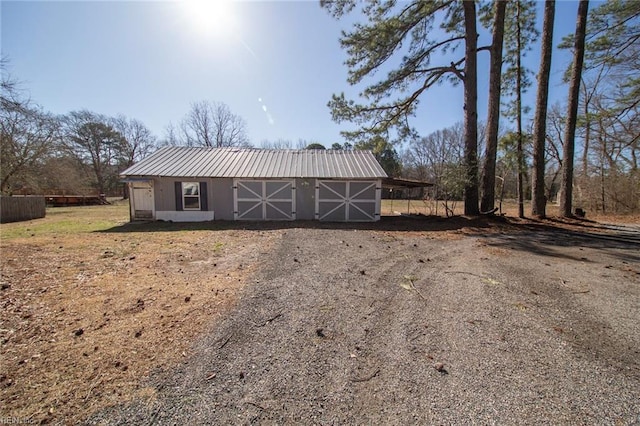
266	111
210	17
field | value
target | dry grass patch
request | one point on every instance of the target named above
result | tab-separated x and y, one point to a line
87	315
509	208
90	307
437	208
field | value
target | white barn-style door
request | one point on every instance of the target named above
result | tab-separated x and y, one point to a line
264	200
142	200
348	201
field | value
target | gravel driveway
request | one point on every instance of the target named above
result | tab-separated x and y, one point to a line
382	326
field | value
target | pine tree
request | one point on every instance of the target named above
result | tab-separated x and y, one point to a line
538	204
405	30
574	93
520	33
493	119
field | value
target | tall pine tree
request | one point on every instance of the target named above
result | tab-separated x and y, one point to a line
572	114
539	202
520	34
493	116
405	31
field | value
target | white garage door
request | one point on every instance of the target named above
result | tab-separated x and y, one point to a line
264	200
347	201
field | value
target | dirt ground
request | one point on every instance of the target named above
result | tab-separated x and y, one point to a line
410	320
91	305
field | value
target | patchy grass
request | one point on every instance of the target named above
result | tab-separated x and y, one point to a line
509	208
91	306
437	208
87	315
68	221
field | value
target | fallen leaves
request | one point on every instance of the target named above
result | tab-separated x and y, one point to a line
98	309
521	306
408	284
440	368
491	281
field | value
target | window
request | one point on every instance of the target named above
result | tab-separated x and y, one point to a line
191	195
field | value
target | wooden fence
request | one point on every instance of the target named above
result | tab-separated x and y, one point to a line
16	209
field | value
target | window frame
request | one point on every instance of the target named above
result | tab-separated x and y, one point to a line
191	196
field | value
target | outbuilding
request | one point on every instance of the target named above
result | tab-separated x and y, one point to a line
192	184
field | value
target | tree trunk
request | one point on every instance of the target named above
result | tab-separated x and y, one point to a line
98	171
471	207
4	186
493	119
602	186
538	202
587	136
519	150
572	113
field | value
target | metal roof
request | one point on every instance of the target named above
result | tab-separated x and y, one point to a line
258	163
399	183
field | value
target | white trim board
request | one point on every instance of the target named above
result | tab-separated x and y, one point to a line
185	216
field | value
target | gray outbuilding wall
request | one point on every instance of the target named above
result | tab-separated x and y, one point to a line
219	194
221	205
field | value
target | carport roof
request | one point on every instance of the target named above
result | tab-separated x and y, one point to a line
399	183
258	163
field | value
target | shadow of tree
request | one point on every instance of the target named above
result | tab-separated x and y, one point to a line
551	236
544	237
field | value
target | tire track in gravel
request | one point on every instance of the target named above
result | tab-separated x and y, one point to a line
330	333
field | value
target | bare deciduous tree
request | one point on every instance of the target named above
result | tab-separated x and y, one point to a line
139	142
437	158
94	142
27	134
212	125
277	144
555	139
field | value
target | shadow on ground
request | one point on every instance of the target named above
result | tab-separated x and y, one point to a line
544	237
551	237
387	223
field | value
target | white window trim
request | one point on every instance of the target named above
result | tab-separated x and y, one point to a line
184	205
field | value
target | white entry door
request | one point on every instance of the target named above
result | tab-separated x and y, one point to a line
264	200
347	201
142	197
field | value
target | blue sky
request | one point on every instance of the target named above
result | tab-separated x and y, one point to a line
150	60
